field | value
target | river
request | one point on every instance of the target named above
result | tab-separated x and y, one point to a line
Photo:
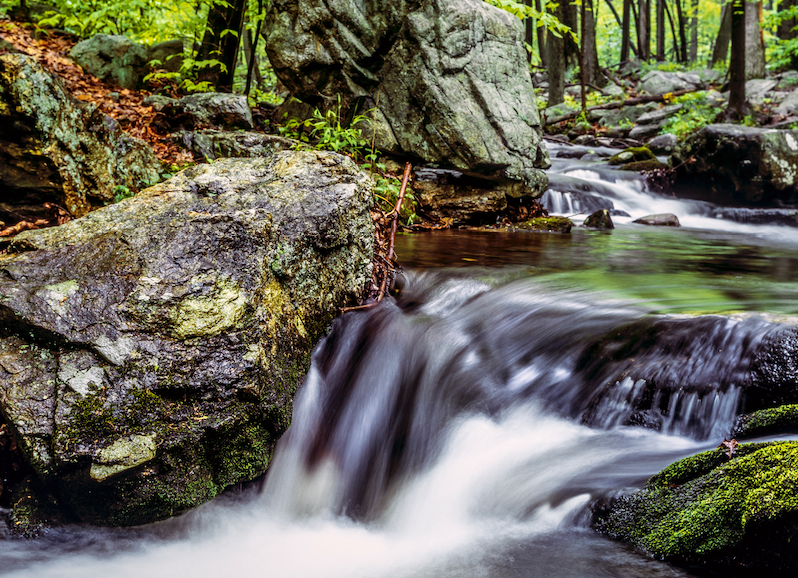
463	428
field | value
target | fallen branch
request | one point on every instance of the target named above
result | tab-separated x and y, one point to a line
389	267
621	104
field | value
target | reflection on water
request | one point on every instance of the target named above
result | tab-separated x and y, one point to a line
667	270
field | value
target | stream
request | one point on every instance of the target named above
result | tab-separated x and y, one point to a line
464	427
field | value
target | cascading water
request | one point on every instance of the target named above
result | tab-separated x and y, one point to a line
463	428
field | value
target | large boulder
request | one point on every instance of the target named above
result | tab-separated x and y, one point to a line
149	351
202	110
57	149
735	511
741	164
115	59
448	79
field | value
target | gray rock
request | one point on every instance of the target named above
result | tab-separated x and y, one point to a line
741	163
659	220
662	144
757	89
789	105
114	59
206	110
707	75
627	114
173	328
657	116
448	78
644	132
169	54
57	149
212	144
599	220
556	110
659	82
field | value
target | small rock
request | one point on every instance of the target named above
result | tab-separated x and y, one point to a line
654	165
757	88
112	58
646	131
662	144
619	213
660	114
659	220
632	154
599	220
550	224
789	105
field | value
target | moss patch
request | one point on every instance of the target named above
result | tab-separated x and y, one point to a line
709	508
782	419
550	224
632	155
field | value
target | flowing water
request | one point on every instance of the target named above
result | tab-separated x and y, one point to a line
463	428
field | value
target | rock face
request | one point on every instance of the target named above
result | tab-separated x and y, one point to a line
741	164
739	512
211	144
149	351
448	77
115	59
203	110
54	148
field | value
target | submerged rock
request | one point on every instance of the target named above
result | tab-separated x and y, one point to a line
739	512
659	220
112	58
448	79
549	224
741	163
600	220
150	351
632	154
54	148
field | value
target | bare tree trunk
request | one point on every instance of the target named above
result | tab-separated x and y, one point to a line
682	31
754	41
541	37
660	44
555	47
571	19
721	50
216	45
589	49
643	29
694	32
626	39
785	29
737	105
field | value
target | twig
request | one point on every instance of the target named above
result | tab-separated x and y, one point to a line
398	208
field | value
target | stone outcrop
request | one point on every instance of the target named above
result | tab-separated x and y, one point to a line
741	164
149	351
114	59
57	149
736	511
448	79
210	144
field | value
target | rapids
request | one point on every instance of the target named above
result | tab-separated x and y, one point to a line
464	426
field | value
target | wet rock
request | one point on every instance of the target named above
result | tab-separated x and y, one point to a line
784	217
632	154
716	511
662	144
56	149
659	220
740	163
443	76
115	59
150	350
641	166
771	421
599	220
546	224
774	373
212	144
450	194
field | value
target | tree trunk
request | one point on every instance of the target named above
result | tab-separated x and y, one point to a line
674	39
694	32
785	29
541	33
737	105
643	29
218	45
625	31
682	31
555	56
589	49
754	41
571	19
660	44
721	50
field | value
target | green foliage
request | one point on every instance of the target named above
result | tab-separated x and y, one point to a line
187	78
386	193
121	192
696	112
784	53
328	131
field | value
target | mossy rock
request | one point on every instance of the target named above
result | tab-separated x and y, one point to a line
632	155
775	420
647	165
549	224
718	511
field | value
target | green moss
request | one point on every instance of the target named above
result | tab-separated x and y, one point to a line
552	224
632	155
647	165
773	420
710	506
